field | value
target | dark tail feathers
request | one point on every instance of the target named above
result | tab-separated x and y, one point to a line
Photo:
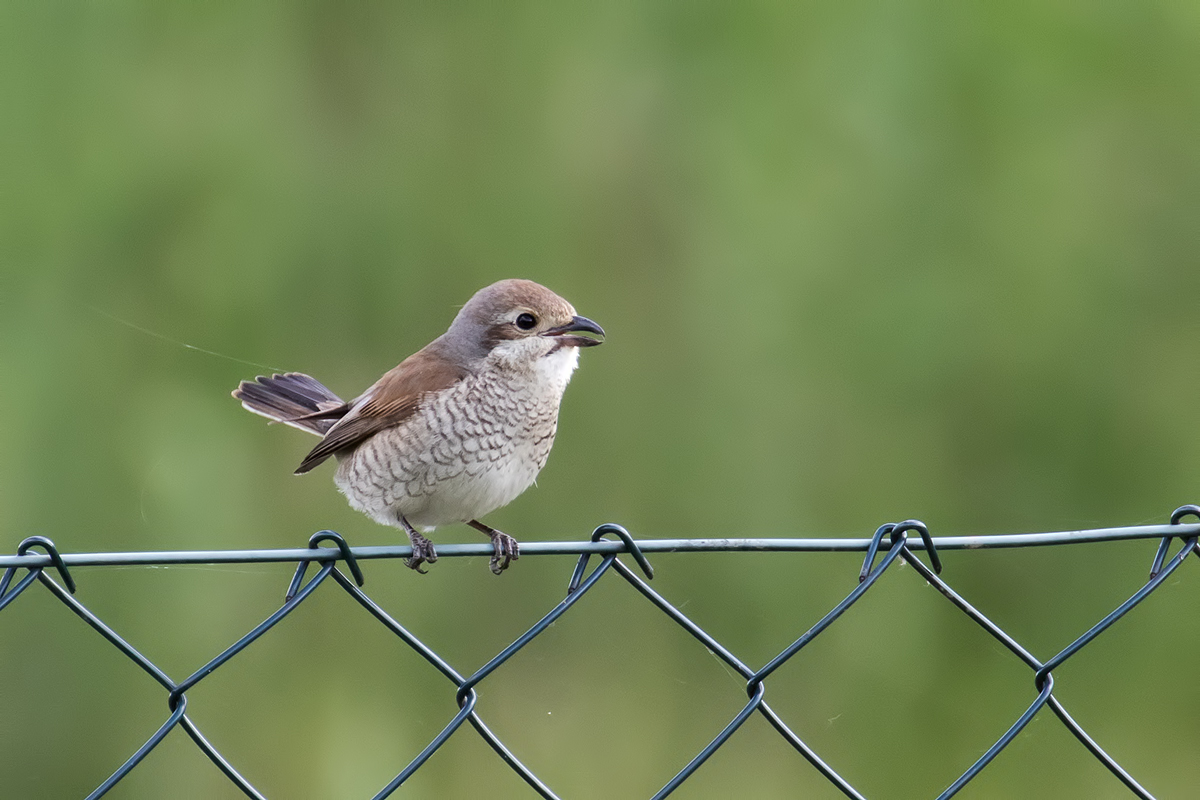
294	399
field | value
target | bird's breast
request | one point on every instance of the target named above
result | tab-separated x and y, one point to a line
468	450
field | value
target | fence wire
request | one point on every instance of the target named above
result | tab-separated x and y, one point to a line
891	543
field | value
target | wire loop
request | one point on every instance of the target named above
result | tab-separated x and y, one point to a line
313	542
631	547
919	527
55	559
873	549
1163	546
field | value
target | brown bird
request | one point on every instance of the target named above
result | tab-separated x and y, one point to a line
458	429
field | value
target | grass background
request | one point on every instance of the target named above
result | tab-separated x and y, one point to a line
857	263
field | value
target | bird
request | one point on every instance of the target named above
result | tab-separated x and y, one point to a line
455	431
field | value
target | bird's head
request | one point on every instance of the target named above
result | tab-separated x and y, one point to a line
518	322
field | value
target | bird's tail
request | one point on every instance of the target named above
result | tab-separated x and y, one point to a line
294	399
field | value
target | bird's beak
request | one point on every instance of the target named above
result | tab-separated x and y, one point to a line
577	324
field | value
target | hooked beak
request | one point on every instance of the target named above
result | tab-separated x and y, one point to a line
563	333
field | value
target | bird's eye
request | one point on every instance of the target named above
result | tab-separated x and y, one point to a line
526	321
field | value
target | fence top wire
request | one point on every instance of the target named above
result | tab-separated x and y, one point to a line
603	548
891	544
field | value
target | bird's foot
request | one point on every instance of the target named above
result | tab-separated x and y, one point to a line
504	547
423	552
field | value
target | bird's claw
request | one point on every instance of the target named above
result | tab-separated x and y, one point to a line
423	553
505	550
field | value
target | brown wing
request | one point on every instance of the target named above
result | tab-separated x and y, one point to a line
393	399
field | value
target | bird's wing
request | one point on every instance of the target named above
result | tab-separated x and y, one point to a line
394	398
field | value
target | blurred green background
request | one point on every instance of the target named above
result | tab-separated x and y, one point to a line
857	263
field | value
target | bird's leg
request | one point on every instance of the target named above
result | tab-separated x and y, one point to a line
504	547
423	552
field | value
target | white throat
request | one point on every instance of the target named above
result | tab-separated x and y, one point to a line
556	367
